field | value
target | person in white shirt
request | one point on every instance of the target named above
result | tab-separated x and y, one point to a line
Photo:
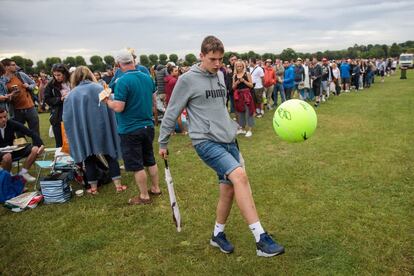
336	76
257	77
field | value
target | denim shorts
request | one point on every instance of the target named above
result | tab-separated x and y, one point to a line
223	158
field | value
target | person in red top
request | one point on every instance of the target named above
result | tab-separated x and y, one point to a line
170	81
269	81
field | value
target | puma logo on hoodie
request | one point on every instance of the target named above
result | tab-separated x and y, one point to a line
204	96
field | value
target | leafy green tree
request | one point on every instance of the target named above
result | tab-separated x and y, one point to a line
80	61
173	58
28	66
376	52
50	61
144	60
385	48
97	63
70	61
153	59
252	54
190	59
244	56
40	65
109	60
395	50
269	56
163	59
288	54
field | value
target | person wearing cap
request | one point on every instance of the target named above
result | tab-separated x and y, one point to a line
269	81
299	78
119	73
134	105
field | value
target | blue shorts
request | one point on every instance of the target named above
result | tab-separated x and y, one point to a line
221	157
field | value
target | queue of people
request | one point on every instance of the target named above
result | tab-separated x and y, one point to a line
103	126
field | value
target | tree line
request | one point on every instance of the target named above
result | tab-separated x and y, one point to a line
98	63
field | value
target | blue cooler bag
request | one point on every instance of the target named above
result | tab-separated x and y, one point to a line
55	188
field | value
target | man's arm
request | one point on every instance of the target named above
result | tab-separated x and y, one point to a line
37	141
117	106
177	103
30	84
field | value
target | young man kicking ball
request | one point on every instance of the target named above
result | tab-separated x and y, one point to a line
202	92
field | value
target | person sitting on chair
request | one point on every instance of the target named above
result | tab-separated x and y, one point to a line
8	129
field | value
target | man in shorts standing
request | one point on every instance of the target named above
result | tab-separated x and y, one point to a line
133	104
213	133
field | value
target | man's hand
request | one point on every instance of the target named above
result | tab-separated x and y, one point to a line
40	150
26	85
163	153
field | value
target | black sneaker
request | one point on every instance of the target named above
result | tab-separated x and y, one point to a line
221	242
266	247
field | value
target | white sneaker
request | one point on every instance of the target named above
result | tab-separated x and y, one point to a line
241	131
249	134
28	177
262	111
323	98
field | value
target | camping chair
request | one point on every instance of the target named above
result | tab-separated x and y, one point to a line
61	162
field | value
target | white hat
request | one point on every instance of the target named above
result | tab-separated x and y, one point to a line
72	69
124	57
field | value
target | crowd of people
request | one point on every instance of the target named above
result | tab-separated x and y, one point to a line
197	100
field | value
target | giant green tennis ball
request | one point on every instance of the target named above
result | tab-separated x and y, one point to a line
295	121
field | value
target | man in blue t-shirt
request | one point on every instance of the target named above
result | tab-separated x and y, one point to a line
133	103
345	69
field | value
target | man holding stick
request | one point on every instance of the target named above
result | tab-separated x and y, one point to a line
202	92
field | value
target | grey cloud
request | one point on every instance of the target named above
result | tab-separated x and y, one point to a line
41	28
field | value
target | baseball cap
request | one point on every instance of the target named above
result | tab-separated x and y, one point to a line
124	57
298	59
269	60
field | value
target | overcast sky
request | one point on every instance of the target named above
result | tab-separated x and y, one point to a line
42	28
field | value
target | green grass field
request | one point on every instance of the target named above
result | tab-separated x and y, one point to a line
341	203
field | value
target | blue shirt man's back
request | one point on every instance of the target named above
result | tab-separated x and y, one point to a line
135	89
345	70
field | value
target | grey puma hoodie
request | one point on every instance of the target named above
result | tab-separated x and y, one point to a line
204	96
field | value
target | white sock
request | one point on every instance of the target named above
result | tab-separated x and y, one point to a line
218	228
257	230
23	171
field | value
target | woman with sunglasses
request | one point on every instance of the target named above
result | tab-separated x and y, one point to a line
55	93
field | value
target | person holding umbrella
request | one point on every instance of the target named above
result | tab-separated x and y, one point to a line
202	91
